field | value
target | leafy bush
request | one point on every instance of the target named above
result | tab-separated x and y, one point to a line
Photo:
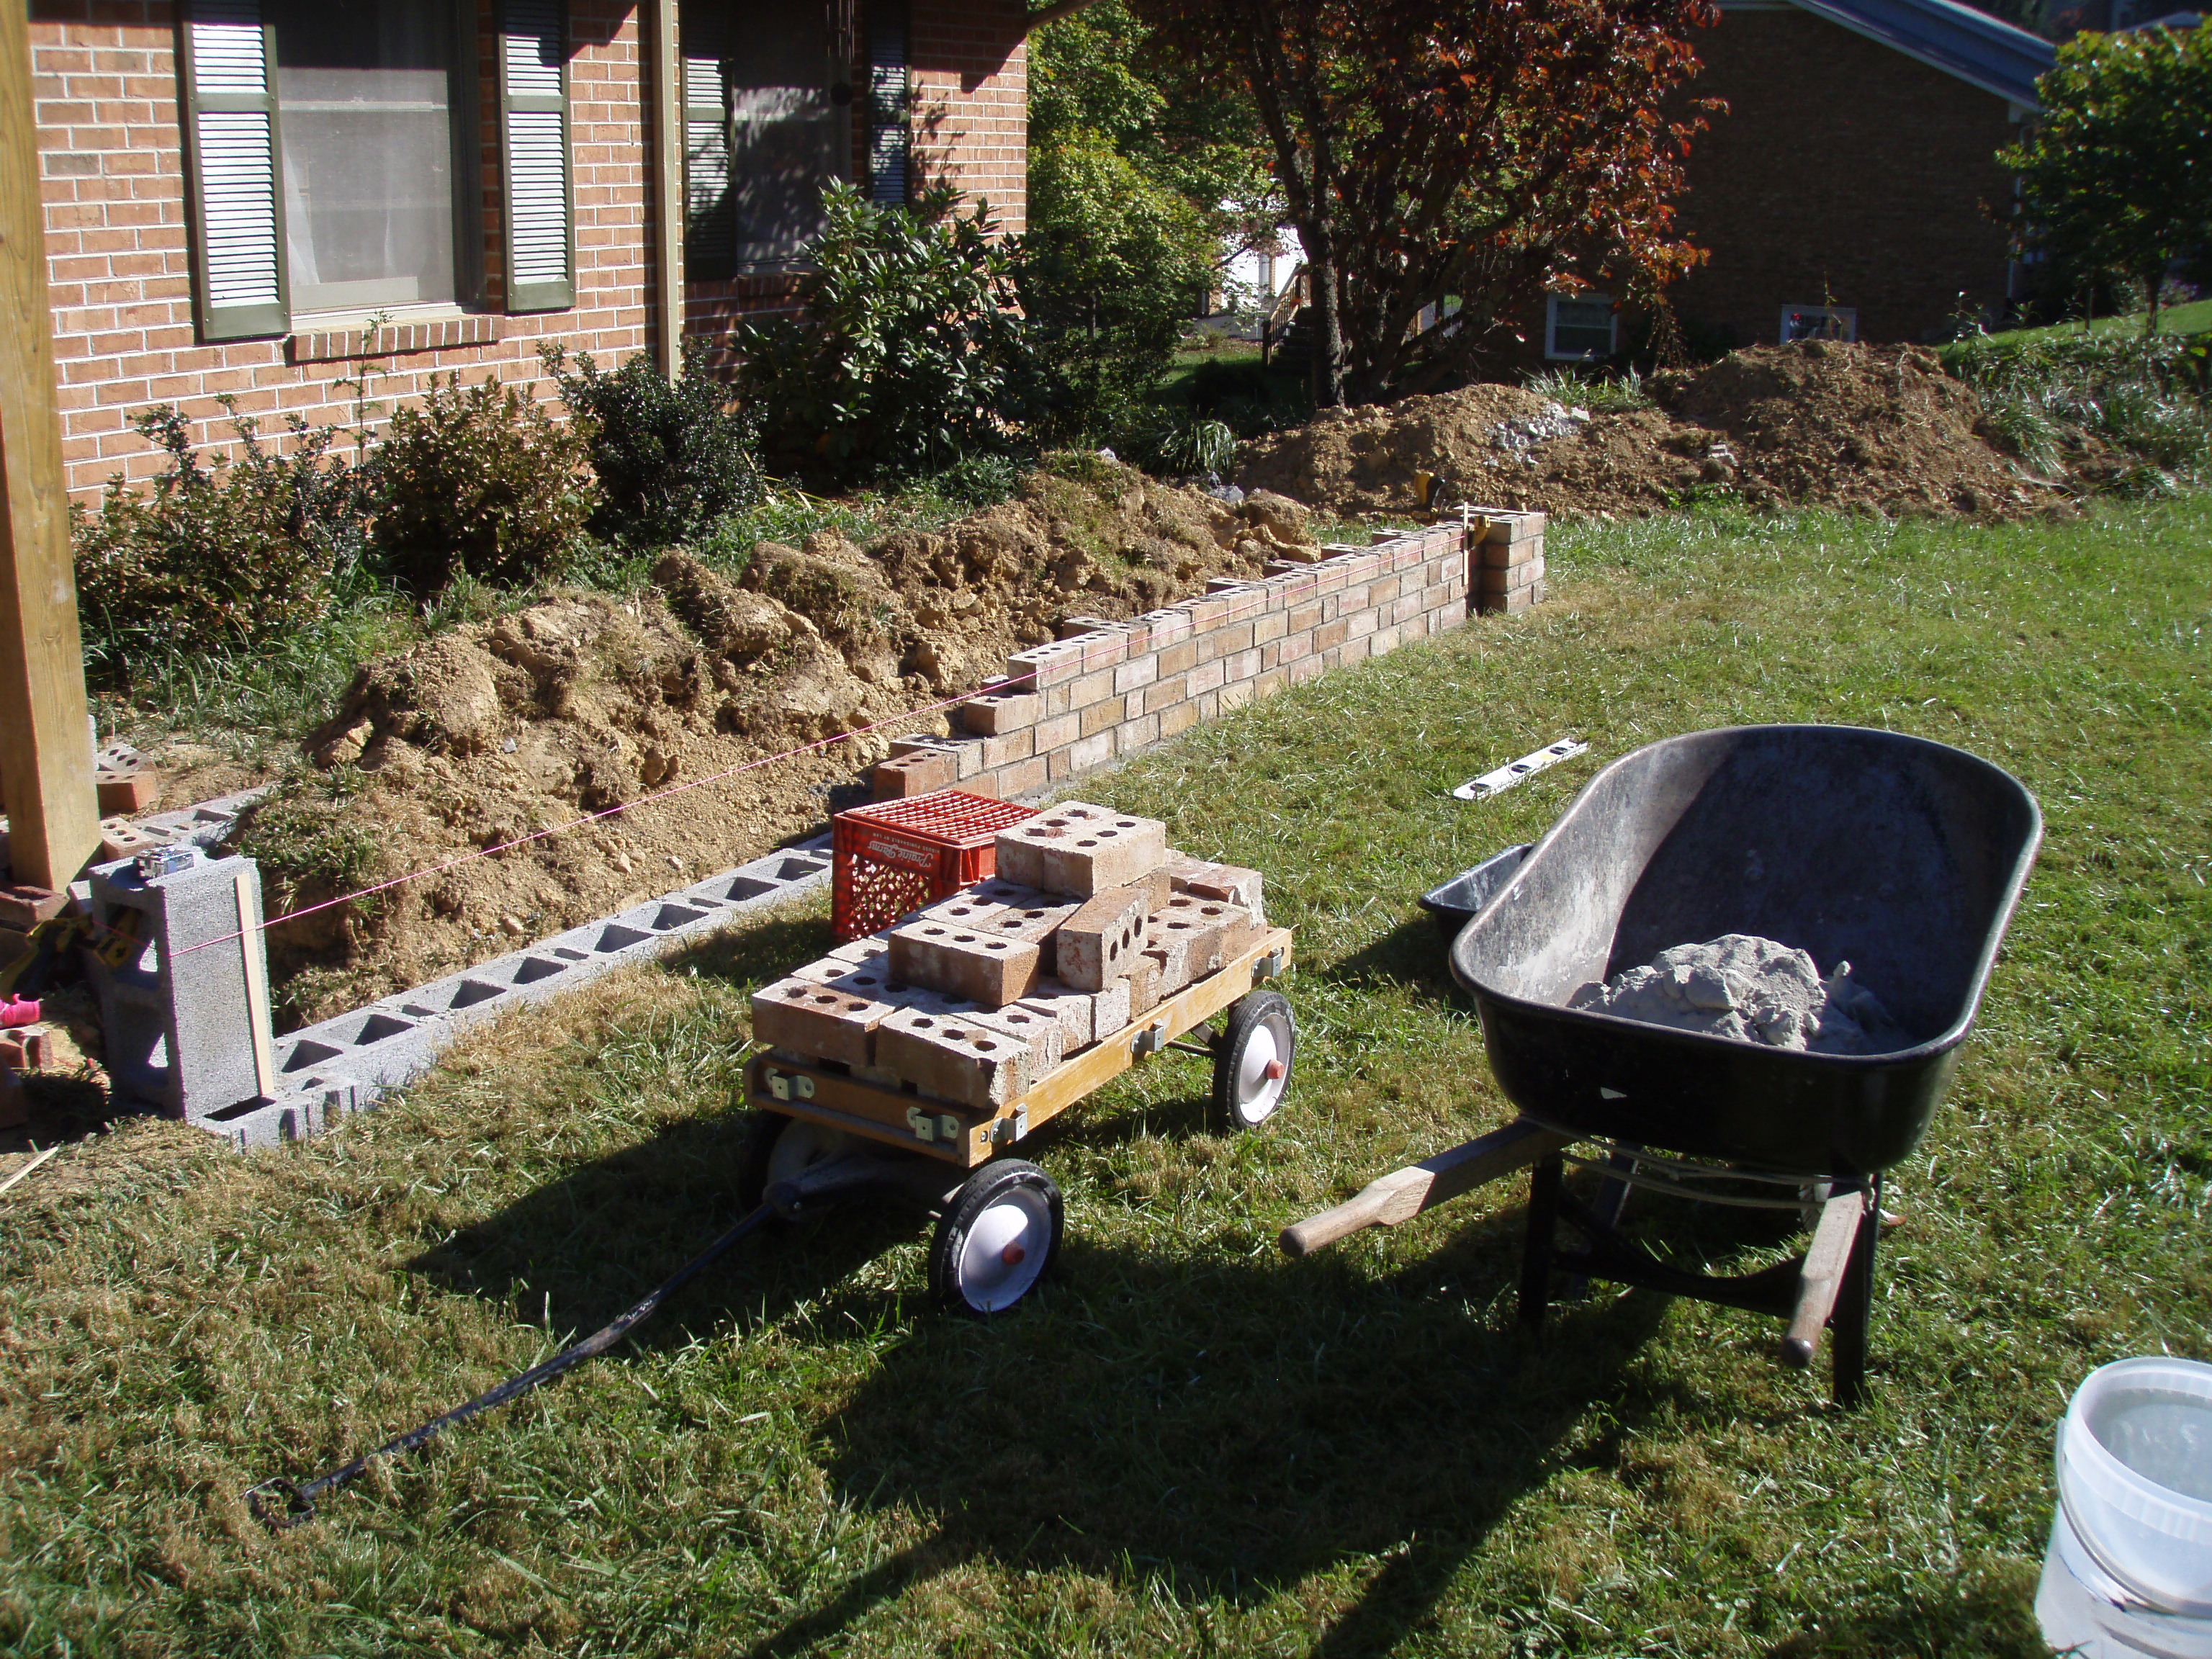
673	458
479	480
979	481
225	554
910	353
1250	399
2143	396
1113	266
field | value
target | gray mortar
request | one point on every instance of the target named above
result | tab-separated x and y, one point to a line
1751	990
344	1064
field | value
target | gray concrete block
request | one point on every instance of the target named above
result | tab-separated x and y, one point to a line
175	1017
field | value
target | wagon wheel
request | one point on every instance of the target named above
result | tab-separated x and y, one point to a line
1252	1061
778	1148
996	1238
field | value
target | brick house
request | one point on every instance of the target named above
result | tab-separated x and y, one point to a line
1853	186
262	197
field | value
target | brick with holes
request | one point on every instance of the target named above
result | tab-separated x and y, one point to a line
953	1057
1099	941
823	1021
1145	990
1040	1030
1076	1011
1230	883
965	962
1081	849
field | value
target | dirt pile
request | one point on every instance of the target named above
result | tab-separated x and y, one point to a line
1881	428
584	702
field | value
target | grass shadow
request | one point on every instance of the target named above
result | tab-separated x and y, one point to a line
1231	1427
1413	954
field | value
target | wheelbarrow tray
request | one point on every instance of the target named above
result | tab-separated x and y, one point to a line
968	1137
1904	858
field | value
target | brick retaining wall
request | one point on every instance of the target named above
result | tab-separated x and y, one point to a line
1087	700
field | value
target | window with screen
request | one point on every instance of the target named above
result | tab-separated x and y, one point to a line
763	133
366	111
1579	325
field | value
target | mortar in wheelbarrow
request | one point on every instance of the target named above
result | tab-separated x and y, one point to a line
1903	857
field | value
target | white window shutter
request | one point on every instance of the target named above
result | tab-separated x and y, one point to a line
533	88
710	213
230	141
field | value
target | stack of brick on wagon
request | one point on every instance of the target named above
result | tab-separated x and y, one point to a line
1090	922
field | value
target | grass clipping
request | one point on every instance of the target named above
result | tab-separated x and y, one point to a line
583	702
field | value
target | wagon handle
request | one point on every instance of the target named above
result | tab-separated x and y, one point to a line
1404	1193
1821	1277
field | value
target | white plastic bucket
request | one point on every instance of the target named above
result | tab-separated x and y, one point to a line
2129	1570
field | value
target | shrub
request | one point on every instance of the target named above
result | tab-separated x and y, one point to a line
230	553
1602	394
2142	396
910	354
1112	267
479	480
673	458
1179	444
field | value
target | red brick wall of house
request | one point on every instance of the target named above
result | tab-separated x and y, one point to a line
1843	168
119	262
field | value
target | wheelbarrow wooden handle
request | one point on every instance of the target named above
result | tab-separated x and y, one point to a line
1822	1276
1404	1193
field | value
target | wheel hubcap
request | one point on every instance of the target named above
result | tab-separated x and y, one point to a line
1260	1073
1005	1250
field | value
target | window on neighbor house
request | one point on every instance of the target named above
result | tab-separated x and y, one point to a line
366	99
1819	323
331	147
1580	327
767	124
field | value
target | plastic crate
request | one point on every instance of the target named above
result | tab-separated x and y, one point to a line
896	856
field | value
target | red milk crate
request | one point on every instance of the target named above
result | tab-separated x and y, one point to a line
896	856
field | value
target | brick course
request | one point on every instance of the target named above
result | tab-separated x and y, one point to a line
1197	660
118	259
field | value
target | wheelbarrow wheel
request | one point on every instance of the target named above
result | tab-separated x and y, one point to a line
996	1238
777	1148
1252	1061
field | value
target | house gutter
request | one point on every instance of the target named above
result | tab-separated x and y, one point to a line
665	166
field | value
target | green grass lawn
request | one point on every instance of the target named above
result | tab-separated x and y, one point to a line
2195	318
1185	1442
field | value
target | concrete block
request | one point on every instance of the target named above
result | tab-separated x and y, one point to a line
1103	937
987	967
1507	604
1506	528
1037	924
1042	666
1020	778
120	839
185	1019
858	951
817	1020
995	752
1081	849
1185	937
966	908
953	1058
1041	1031
994	714
24	906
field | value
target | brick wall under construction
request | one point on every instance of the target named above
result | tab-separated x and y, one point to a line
1088	700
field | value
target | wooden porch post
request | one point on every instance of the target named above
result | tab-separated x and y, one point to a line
46	749
665	136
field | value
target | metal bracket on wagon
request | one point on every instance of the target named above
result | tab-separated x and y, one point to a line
1267	966
797	1085
1148	1040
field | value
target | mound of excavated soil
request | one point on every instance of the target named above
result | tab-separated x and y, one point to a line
1881	428
584	702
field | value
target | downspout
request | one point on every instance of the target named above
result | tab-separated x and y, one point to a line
664	139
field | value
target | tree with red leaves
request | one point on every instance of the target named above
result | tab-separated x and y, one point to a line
1486	150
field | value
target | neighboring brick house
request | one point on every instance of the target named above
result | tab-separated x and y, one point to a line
1853	186
236	189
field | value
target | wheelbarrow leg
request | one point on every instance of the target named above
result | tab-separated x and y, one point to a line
1536	1253
1612	1199
1855	1305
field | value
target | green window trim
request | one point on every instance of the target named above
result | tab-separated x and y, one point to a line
225	51
538	202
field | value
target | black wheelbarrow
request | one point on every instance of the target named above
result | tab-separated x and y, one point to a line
1903	857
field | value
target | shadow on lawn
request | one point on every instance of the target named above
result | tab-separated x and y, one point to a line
1413	954
1232	1427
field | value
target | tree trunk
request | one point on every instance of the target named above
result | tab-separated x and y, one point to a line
2151	280
1328	325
